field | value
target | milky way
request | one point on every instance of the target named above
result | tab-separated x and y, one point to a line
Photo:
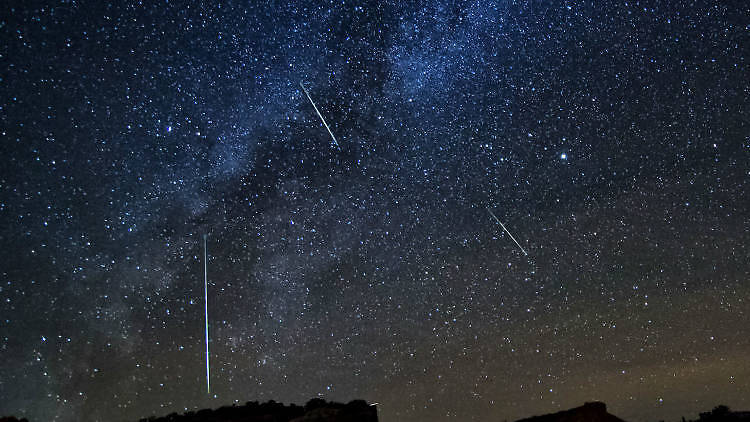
613	140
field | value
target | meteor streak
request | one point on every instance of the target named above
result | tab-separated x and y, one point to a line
506	231
205	289
319	115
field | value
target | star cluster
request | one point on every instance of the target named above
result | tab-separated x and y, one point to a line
612	140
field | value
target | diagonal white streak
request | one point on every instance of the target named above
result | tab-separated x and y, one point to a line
506	231
205	290
319	115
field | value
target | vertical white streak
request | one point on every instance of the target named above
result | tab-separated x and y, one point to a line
319	115
205	290
506	231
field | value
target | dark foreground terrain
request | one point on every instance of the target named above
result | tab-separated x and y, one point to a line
589	412
597	412
319	410
314	410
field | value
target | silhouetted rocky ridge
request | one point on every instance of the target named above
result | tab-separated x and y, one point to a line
589	412
316	410
319	410
597	412
724	414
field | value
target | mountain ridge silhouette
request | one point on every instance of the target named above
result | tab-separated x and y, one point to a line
320	410
315	410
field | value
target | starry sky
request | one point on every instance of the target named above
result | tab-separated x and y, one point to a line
612	139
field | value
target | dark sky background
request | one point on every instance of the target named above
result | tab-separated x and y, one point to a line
612	140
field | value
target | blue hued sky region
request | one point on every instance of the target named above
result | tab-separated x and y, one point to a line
513	207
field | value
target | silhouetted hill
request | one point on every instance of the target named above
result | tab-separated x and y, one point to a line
589	412
724	414
316	410
319	410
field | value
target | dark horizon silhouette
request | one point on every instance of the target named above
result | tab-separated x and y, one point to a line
589	412
320	410
315	409
597	412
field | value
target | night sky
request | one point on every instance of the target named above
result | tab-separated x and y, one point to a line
611	140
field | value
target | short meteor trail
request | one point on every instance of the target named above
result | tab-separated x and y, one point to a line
205	289
319	115
506	231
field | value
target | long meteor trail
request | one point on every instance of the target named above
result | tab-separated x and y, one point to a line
506	231
205	290
319	115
